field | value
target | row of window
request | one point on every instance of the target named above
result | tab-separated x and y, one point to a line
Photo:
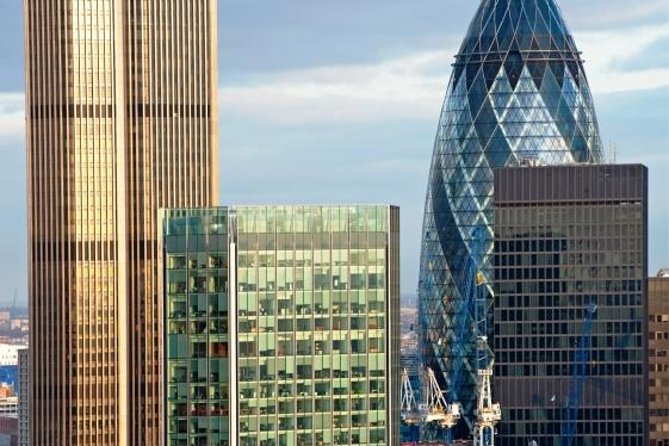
563	342
573	300
565	369
358	436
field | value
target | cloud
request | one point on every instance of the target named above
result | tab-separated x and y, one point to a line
613	14
11	115
604	50
408	87
655	55
412	87
405	88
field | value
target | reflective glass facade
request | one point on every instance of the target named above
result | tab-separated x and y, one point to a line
197	370
518	94
313	334
568	238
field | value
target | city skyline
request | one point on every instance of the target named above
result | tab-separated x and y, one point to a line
288	99
110	117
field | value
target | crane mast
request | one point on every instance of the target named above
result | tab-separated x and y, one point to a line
488	414
409	407
472	316
576	387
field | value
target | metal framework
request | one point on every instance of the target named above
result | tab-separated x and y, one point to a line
409	406
434	415
488	413
468	319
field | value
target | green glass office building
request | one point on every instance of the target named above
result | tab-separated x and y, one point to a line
282	325
196	330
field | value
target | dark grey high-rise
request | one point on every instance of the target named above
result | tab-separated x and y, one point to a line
571	245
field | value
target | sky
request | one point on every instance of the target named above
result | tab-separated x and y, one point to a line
338	102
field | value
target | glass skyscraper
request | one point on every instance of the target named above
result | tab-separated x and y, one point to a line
518	95
282	325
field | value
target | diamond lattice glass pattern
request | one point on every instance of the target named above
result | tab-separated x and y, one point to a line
518	94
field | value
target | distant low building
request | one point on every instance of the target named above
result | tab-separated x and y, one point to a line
8	430
20	324
9	406
9	353
24	414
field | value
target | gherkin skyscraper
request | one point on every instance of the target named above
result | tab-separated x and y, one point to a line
518	94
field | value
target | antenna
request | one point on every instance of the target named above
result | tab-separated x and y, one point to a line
615	153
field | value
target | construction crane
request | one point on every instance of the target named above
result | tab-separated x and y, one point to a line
488	414
434	414
466	313
409	408
576	387
436	409
475	306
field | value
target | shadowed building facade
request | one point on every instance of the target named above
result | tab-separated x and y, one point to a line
518	94
570	317
121	121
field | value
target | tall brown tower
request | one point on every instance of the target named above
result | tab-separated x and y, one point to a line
121	121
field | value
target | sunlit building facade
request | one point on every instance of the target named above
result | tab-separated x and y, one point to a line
282	325
658	357
121	120
518	95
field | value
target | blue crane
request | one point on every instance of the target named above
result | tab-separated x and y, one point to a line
576	387
466	313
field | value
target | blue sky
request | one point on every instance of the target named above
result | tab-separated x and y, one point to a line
338	101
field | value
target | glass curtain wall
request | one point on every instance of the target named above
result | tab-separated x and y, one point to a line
197	369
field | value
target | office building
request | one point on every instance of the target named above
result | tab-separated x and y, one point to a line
198	368
23	389
658	358
121	120
518	95
282	325
9	354
8	431
570	312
